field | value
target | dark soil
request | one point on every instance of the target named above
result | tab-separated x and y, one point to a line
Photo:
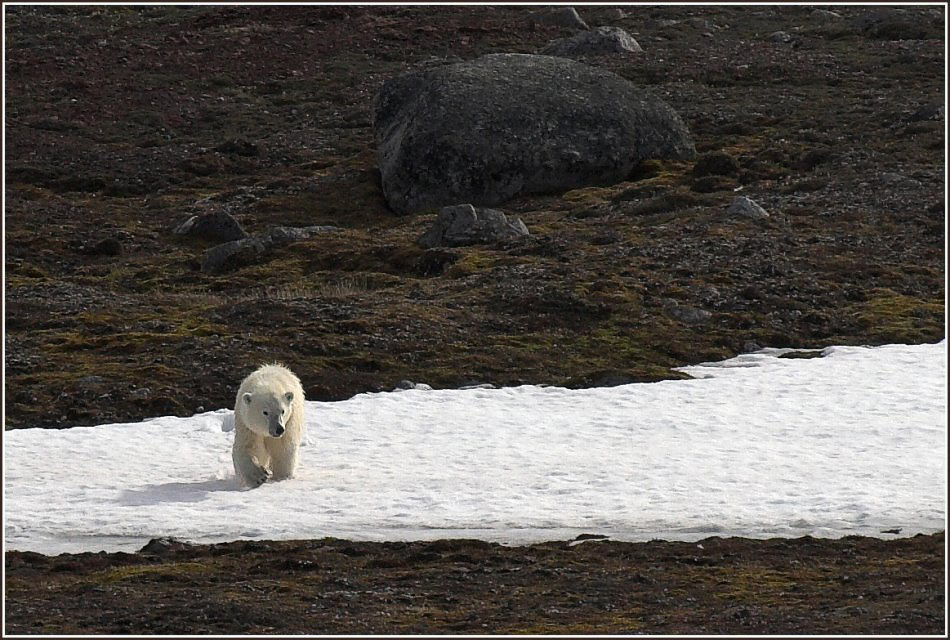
122	122
719	585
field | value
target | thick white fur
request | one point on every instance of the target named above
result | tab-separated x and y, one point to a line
257	455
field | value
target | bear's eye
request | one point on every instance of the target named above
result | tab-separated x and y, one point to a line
265	412
282	412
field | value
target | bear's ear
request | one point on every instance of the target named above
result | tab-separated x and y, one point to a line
247	398
290	396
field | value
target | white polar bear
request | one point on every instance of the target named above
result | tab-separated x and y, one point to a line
268	425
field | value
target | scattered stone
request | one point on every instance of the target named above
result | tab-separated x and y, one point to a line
661	23
814	157
90	381
406	385
597	42
218	226
825	14
891	178
463	224
140	394
895	24
566	17
238	146
505	125
702	23
433	262
750	292
238	253
802	355
105	247
232	255
716	163
705	293
590	536
685	313
780	37
927	112
610	379
893	531
750	346
586	538
745	206
160	546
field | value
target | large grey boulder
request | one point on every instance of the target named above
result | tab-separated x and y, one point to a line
463	224
597	42
504	125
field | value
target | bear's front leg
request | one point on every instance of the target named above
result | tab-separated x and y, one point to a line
284	462
247	469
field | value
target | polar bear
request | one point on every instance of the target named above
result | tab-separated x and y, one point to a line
268	425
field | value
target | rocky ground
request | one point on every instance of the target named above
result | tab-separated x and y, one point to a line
124	122
717	586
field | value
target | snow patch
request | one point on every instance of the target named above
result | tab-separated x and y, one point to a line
759	446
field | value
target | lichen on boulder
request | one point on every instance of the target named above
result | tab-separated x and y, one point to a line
504	125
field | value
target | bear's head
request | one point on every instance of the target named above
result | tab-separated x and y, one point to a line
266	412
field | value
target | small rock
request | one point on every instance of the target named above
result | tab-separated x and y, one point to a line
895	24
600	41
105	247
750	346
218	226
747	207
705	293
587	537
814	157
90	381
140	394
702	23
780	37
685	314
403	385
232	255
716	163
591	536
463	224
159	546
238	146
661	23
750	292
927	112
237	253
611	379
566	17
825	14
891	178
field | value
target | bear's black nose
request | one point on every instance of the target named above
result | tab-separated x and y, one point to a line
279	431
